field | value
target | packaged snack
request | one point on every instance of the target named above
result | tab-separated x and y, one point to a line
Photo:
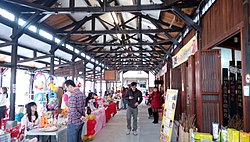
202	136
223	134
244	137
215	131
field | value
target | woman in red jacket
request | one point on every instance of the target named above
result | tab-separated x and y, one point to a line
156	104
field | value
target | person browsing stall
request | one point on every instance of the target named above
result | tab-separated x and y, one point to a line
3	102
156	103
76	116
30	120
133	98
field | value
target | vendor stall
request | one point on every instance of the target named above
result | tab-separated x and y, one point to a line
110	110
100	119
59	134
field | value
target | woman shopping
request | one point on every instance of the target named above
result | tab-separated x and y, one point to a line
156	104
3	101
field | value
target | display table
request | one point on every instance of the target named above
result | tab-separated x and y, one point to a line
110	110
60	135
100	119
5	137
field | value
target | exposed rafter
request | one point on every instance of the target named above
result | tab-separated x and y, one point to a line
32	8
186	19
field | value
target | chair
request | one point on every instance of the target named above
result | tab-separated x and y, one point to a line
3	123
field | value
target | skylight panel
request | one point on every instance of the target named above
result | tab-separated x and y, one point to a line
7	14
69	47
45	34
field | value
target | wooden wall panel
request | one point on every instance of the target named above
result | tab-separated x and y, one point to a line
198	89
184	89
191	84
175	83
211	113
210	66
220	21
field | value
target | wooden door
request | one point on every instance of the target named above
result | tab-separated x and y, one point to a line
208	89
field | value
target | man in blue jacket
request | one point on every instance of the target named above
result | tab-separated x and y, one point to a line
133	98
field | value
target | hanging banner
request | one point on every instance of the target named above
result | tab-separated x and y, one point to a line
189	49
163	71
168	115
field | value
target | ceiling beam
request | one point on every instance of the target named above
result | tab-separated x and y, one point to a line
115	51
119	44
34	59
32	8
6	44
33	19
159	27
115	31
186	19
66	38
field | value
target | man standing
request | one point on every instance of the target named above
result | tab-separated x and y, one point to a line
133	98
76	116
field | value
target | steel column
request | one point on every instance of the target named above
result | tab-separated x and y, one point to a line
52	63
31	83
94	78
1	77
13	72
101	79
84	77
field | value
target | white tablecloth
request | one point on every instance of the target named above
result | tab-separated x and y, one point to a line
60	135
5	137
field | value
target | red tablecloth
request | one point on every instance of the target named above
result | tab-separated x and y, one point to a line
110	110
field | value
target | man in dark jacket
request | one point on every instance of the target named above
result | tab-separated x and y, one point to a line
133	98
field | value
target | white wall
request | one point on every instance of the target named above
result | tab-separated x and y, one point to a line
226	56
151	80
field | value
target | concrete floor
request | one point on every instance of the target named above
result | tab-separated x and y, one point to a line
115	129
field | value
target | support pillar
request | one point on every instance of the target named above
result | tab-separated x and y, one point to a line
245	53
94	80
106	85
101	78
1	77
84	77
13	72
31	83
73	71
113	87
52	63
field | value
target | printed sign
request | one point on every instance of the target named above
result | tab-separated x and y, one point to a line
189	49
168	115
247	78
14	88
246	91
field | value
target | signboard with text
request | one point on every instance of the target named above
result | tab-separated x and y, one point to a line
168	115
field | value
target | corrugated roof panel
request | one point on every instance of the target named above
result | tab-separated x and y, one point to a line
64	55
5	32
34	43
